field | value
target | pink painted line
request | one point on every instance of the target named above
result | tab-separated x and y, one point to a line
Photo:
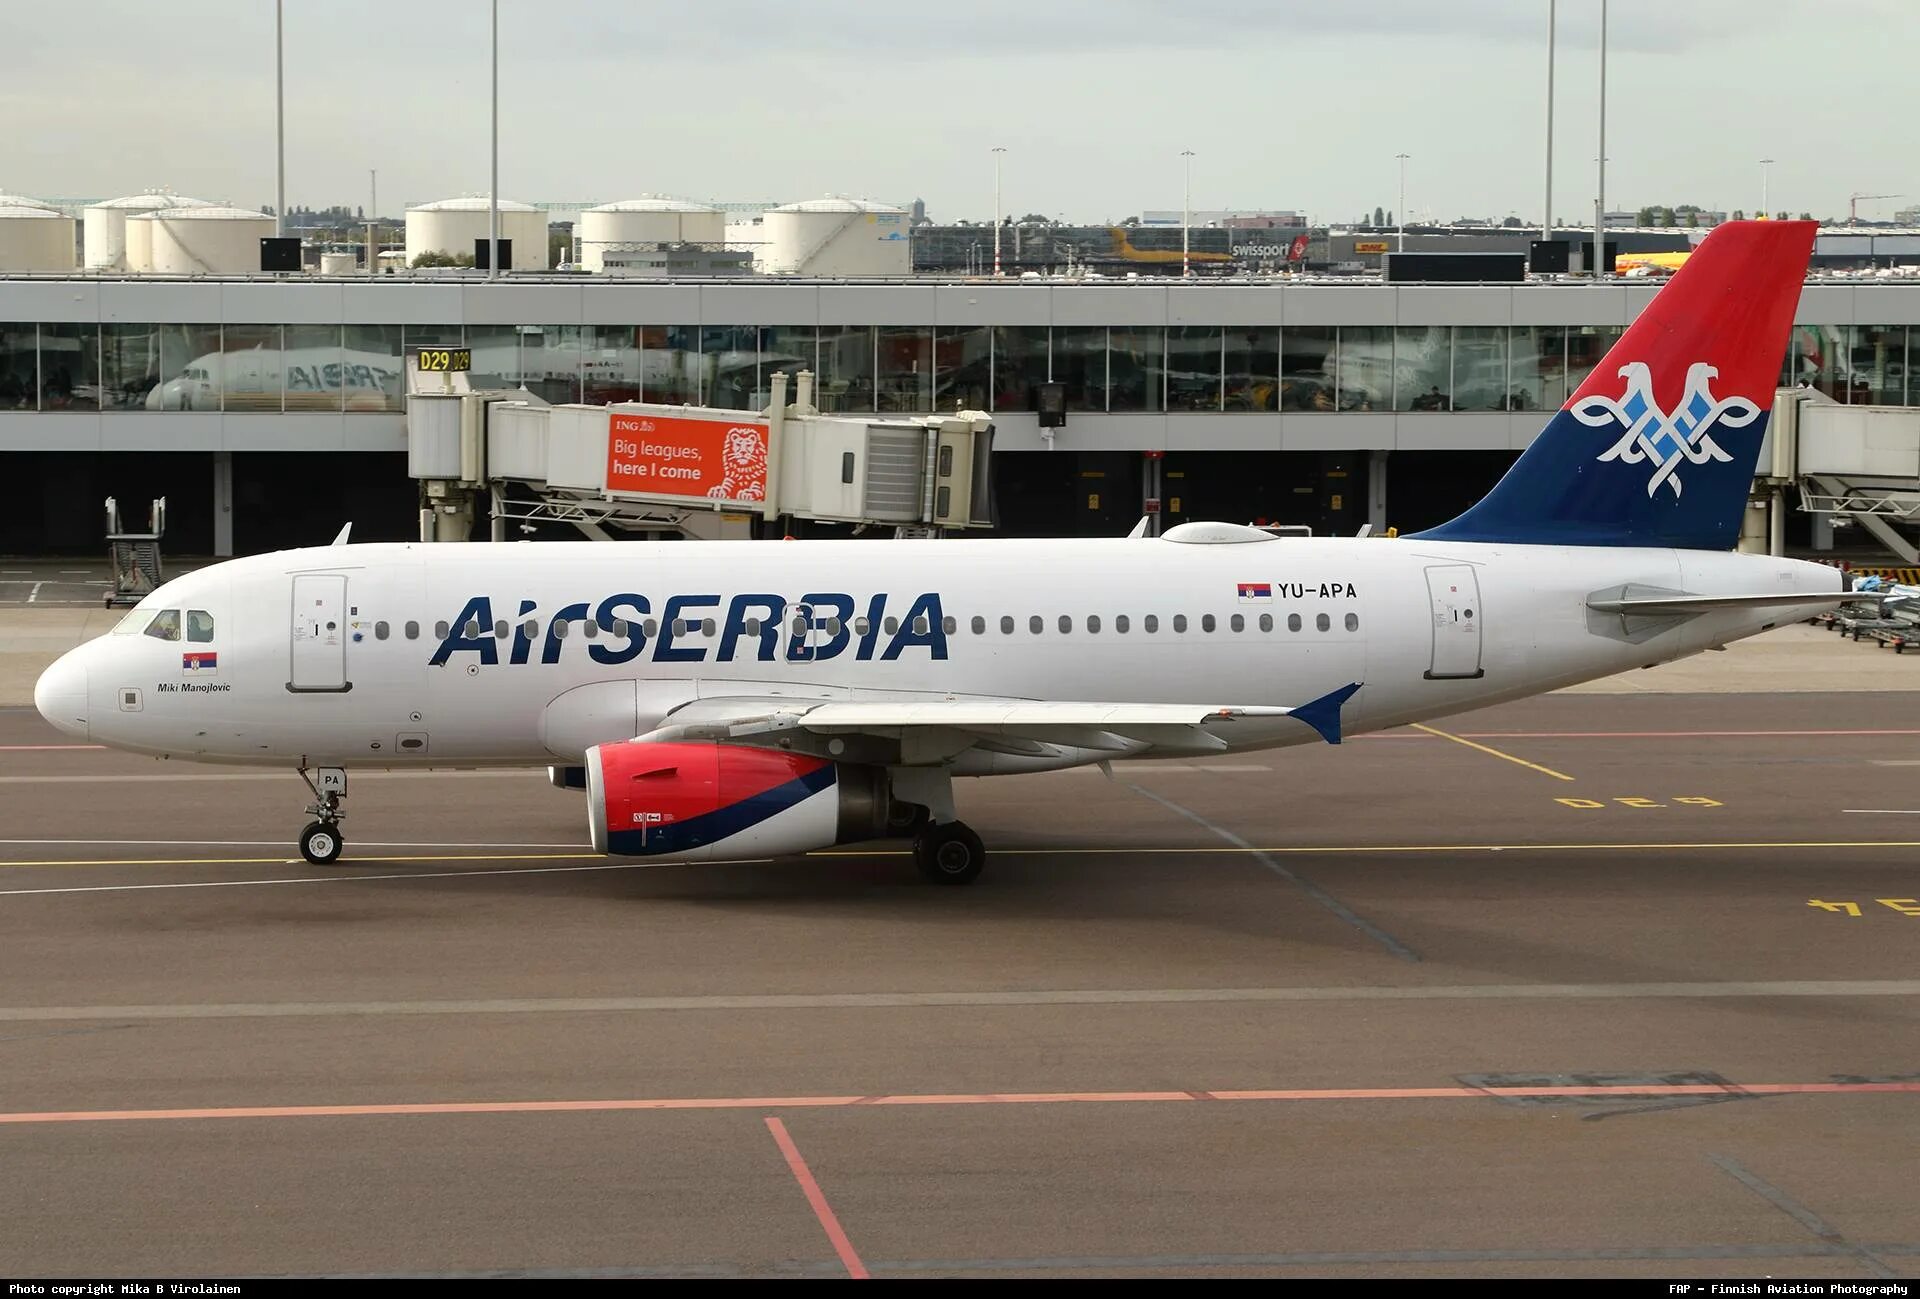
1620	735
818	1199
947	1099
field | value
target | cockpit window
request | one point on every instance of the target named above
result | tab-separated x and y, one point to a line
133	623
165	625
199	625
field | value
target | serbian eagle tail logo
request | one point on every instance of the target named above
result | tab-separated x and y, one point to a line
1658	446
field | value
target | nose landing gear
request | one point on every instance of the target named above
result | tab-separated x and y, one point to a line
321	842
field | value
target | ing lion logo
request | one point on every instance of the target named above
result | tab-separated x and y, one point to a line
1652	435
743	459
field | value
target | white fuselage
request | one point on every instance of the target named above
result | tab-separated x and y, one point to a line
1428	628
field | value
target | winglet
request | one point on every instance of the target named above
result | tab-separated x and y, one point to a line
1140	528
1323	714
341	540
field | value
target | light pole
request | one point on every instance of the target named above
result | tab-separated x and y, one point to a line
1766	165
279	120
373	220
1186	218
997	151
1600	200
493	190
1546	221
1400	213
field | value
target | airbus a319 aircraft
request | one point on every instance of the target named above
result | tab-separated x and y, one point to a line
727	700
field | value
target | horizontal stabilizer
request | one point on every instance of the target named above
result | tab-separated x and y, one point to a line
1677	606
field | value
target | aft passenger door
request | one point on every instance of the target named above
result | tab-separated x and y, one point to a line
1454	590
319	634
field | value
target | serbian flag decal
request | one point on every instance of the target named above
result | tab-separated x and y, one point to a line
1256	590
199	660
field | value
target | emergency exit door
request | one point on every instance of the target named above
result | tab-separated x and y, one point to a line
1454	590
319	633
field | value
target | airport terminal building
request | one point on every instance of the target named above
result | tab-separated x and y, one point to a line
270	410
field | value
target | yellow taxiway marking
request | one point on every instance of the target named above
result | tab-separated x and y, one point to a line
342	870
1485	748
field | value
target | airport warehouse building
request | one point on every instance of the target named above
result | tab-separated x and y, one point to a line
269	411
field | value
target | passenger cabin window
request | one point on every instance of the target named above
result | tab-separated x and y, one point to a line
949	626
1151	622
1006	625
1066	623
1237	623
1293	622
1206	622
1120	623
1266	622
440	630
979	624
199	626
1035	625
1353	622
165	625
413	630
1322	622
1179	622
380	630
892	624
1093	622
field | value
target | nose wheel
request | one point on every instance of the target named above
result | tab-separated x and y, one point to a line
321	843
949	853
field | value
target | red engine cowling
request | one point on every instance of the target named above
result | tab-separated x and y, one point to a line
719	802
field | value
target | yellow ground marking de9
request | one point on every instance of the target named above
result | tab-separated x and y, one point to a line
1905	906
1589	804
1532	766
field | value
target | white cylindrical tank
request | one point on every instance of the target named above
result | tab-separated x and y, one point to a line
451	225
339	264
137	255
21	200
644	222
204	240
836	236
104	226
35	239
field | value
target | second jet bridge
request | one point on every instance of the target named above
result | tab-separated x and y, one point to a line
636	467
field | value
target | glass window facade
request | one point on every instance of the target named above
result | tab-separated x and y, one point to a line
962	368
1253	368
252	368
1538	367
1193	367
846	368
1019	365
1480	367
1080	365
610	363
1366	368
729	367
248	368
19	367
1308	367
1422	363
905	376
1136	369
375	368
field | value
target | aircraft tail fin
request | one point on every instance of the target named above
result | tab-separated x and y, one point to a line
1658	446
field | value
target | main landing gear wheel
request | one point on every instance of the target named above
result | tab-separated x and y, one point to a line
321	844
949	854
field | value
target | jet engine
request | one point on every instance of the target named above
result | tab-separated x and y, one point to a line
720	802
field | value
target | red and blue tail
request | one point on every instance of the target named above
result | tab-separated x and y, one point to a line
1659	445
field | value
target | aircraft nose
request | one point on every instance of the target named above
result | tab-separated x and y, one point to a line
61	694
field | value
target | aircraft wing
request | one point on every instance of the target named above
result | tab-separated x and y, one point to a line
922	731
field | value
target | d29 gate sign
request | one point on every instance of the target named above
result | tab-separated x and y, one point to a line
666	455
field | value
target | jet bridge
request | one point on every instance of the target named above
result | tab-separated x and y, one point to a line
1859	463
644	469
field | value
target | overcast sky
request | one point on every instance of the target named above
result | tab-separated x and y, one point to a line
1286	104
